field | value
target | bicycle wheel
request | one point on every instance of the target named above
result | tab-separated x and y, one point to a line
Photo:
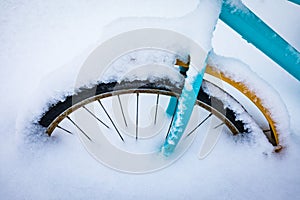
126	123
62	110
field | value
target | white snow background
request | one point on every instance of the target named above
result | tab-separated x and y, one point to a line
38	37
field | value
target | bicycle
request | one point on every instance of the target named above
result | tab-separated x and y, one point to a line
163	90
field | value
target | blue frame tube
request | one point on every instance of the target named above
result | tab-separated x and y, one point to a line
184	111
171	106
295	1
255	31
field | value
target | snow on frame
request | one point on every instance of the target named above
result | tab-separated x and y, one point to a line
271	100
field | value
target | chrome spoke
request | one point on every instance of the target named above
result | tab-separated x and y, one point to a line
111	120
199	125
64	129
95	116
219	125
156	108
137	116
122	110
79	128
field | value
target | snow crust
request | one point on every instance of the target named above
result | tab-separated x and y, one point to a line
38	38
271	100
255	136
198	24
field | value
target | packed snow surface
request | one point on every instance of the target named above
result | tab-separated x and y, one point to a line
43	45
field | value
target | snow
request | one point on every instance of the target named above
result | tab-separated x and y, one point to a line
205	16
270	98
256	136
127	66
44	43
238	4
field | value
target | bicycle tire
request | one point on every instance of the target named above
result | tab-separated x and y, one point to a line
57	112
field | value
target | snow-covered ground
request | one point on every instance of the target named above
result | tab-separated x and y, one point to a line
38	38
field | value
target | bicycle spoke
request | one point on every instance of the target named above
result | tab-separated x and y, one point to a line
95	116
219	125
79	128
199	125
156	108
122	110
111	120
172	118
154	96
64	129
137	116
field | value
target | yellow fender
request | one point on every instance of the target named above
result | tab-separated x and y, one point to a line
213	71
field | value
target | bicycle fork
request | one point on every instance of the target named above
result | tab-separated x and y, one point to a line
182	109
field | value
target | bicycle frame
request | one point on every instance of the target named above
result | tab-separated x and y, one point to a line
253	30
